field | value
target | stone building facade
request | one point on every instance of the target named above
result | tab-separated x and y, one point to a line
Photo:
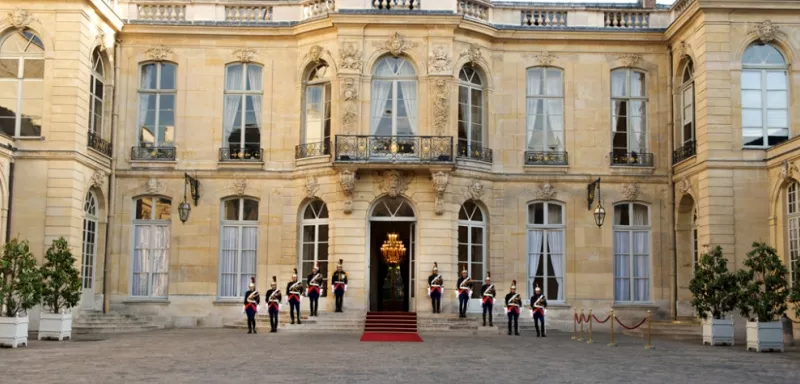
303	132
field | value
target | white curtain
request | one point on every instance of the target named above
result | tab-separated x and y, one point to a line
254	79
148	73
314	116
141	260
248	258
534	85
555	111
228	263
641	266
409	90
639	215
380	95
622	265
555	241
534	251
465	110
637	118
160	253
232	101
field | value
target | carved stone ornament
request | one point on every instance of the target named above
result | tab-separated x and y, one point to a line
441	94
98	179
683	49
394	183
473	54
347	179
315	53
19	18
100	41
350	97
158	53
475	191
153	186
396	45
439	61
239	185
766	31
440	180
630	59
685	185
350	57
545	58
546	192
312	186
245	55
630	192
787	170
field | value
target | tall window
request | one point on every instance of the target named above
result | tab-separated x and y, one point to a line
695	249
628	112
687	104
96	92
546	226
21	83
765	97
89	240
472	242
157	104
151	243
242	115
318	105
314	240
793	215
631	252
470	110
393	111
545	109
238	246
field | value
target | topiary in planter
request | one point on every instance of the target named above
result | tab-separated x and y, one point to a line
20	279
764	293
715	290
62	281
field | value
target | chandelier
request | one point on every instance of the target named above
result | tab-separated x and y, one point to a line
393	250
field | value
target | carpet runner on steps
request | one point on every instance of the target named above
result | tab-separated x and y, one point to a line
391	326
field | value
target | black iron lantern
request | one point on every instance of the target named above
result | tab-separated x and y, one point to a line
184	208
599	214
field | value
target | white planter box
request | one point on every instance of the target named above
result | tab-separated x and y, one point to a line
14	331
718	331
56	326
767	336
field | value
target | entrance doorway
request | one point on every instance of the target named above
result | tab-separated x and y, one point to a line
387	292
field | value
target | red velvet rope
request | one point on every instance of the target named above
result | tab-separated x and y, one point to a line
578	320
630	328
598	320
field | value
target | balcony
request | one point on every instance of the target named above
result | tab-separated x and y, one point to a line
394	149
98	144
241	154
686	151
307	150
468	152
546	158
152	153
631	159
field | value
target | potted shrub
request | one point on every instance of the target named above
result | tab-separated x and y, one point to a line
60	292
763	298
20	290
715	291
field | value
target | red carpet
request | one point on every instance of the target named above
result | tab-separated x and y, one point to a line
391	337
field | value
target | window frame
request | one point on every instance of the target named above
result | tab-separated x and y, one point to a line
327	104
793	231
244	93
529	125
763	70
95	77
688	85
316	222
89	216
151	223
395	81
471	86
469	224
157	92
629	99
631	229
546	228
20	79
695	248
240	224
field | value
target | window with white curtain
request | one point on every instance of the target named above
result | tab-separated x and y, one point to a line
89	240
793	221
157	87
628	112
687	104
238	246
314	240
151	244
472	243
545	109
241	131
393	106
546	264
317	113
631	252
96	93
21	83
470	110
765	96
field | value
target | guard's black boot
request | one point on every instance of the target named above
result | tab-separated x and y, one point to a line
484	319
254	330
298	320
543	334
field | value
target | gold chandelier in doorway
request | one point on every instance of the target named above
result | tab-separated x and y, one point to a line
393	250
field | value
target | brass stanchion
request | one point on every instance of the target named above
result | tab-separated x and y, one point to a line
649	329
574	324
590	341
581	320
611	343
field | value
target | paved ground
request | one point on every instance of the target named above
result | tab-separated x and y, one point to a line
232	356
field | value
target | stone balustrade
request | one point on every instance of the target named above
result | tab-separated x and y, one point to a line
406	5
248	13
478	9
680	6
627	19
161	11
543	18
316	8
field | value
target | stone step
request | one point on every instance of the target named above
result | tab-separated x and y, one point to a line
113	329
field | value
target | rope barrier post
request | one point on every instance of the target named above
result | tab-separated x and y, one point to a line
649	332
581	338
590	341
575	324
612	318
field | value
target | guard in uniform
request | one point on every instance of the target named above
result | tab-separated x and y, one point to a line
487	298
251	303
274	304
464	291
538	305
436	289
295	291
315	289
513	302
339	280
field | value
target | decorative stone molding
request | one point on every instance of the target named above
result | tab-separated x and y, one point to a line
766	31
98	179
475	190
630	60
245	55
350	98
100	42
685	185
545	59
19	18
441	113
312	186
154	186
239	185
546	192
396	45
439	61
315	53
158	53
787	170
347	179
683	49
394	183
440	180
473	54
630	192
350	57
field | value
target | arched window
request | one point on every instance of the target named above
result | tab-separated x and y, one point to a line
629	118
21	83
314	240
687	104
157	87
151	244
238	246
765	97
545	109
793	225
317	114
546	264
242	115
472	242
89	243
96	94
471	119
393	110
631	252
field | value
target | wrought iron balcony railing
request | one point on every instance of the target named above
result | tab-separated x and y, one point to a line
546	158
686	151
391	149
97	143
321	148
237	153
632	159
472	152
148	153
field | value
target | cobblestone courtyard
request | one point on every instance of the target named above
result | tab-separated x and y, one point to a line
232	356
